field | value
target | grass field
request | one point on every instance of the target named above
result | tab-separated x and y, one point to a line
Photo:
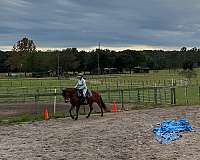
141	90
139	78
109	85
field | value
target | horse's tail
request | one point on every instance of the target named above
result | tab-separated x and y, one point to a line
103	105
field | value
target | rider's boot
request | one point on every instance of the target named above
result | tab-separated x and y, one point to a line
84	100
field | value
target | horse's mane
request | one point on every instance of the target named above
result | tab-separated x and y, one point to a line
68	90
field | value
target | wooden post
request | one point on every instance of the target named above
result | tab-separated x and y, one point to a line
149	99
160	95
37	101
138	95
186	95
155	95
122	100
54	104
173	95
129	93
109	95
164	83
165	95
143	91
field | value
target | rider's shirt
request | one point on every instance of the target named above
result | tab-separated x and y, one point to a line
81	84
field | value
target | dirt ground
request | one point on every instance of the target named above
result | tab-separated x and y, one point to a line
123	135
18	109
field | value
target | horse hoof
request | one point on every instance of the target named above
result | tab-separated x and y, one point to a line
72	117
87	116
76	118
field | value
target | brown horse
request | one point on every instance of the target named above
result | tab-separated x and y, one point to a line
71	95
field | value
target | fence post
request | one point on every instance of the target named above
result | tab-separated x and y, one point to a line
138	95
165	94
54	104
117	85
129	93
186	95
122	95
160	96
143	91
37	101
131	84
148	90
109	99
173	95
155	95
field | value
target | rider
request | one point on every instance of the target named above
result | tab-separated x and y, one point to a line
81	85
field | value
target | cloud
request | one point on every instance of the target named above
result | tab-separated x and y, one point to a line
115	23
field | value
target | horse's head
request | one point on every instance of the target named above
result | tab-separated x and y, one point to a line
67	94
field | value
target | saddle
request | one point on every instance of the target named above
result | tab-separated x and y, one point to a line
84	100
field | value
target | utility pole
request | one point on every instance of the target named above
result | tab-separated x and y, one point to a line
58	63
98	60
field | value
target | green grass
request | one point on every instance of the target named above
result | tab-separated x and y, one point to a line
137	89
24	90
152	77
29	118
36	83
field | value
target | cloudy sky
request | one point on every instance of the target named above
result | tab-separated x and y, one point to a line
117	24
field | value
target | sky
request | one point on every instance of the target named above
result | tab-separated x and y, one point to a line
116	24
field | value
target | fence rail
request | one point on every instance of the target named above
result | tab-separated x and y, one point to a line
12	98
157	95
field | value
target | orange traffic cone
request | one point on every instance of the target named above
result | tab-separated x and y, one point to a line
114	107
46	114
178	117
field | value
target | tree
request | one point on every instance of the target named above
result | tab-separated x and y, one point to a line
183	49
188	65
22	55
3	58
25	45
194	49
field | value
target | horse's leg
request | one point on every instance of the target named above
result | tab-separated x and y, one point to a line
91	108
70	111
99	104
77	109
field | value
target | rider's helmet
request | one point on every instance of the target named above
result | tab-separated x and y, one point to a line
80	75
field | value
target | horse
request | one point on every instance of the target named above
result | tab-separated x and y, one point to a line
71	95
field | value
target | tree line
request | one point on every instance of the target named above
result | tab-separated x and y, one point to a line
25	58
